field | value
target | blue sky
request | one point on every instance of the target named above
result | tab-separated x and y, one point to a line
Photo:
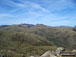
48	12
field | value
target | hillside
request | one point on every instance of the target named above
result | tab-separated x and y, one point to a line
29	37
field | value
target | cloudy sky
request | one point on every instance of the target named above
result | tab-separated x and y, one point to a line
48	12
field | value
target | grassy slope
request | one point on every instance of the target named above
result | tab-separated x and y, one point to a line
36	39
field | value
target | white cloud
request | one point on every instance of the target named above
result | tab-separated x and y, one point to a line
6	15
14	4
37	6
57	5
52	5
26	4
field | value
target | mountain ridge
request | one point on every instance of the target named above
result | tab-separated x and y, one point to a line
20	36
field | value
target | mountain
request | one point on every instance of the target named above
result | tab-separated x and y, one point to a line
36	38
